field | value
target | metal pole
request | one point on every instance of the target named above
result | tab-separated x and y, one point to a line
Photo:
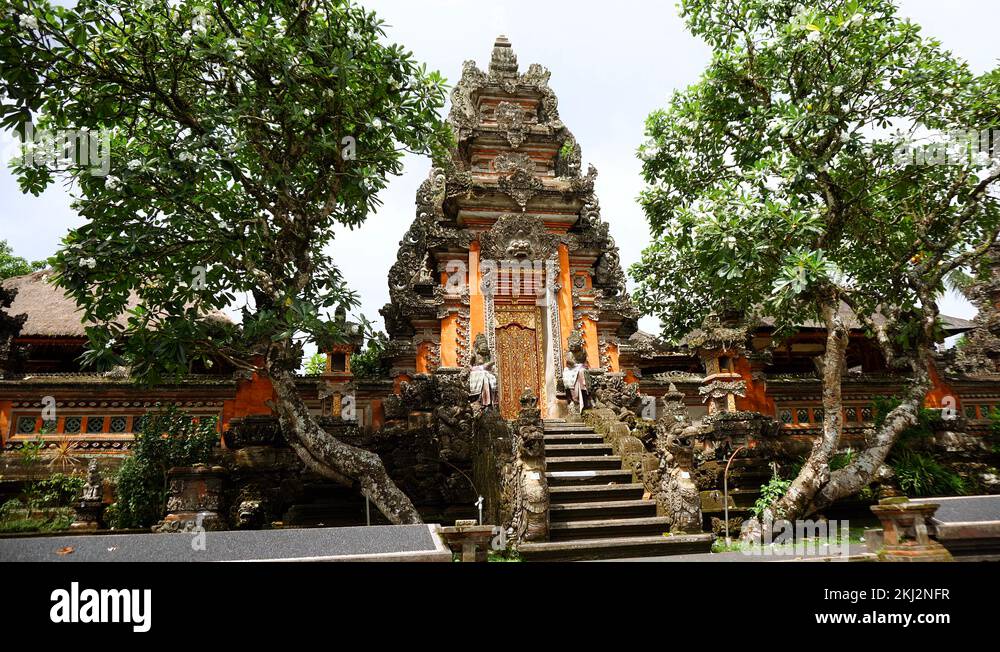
368	513
725	493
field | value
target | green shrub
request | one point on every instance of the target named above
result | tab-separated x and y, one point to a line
46	520
9	507
917	432
60	490
842	459
316	364
921	475
917	473
769	494
993	439
44	505
168	438
369	363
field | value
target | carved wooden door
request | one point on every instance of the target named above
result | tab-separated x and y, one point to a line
519	351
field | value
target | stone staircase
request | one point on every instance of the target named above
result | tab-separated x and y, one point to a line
597	510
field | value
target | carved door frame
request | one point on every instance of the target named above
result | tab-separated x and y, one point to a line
528	317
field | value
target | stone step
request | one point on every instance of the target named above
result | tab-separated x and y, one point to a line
599	477
602	510
595	493
743	499
573	438
617	548
608	528
576	450
569	430
567	427
583	463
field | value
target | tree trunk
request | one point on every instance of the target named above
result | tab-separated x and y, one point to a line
862	469
816	469
332	458
816	487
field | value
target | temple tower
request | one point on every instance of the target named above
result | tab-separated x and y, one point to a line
508	243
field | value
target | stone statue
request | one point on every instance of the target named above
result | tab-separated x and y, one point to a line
611	390
94	487
453	419
677	496
576	375
423	274
482	379
87	512
530	520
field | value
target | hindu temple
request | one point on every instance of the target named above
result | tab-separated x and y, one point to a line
514	378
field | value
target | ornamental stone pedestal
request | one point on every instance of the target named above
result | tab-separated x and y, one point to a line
905	535
195	499
469	538
719	343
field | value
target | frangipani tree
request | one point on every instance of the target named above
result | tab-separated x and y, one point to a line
240	135
783	184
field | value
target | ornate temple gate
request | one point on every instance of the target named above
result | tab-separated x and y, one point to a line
520	354
515	208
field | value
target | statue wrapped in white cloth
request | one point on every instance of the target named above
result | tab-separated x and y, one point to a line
575	382
482	380
576	375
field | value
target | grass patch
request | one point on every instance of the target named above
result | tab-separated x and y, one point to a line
855	535
44	520
503	556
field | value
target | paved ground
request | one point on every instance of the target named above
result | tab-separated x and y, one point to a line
326	542
223	546
955	509
855	549
965	509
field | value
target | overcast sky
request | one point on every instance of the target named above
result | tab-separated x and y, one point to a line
612	63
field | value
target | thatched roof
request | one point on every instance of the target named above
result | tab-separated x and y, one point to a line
51	313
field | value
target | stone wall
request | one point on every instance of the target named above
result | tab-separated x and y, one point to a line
426	445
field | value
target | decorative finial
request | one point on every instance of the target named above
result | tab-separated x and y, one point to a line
503	64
